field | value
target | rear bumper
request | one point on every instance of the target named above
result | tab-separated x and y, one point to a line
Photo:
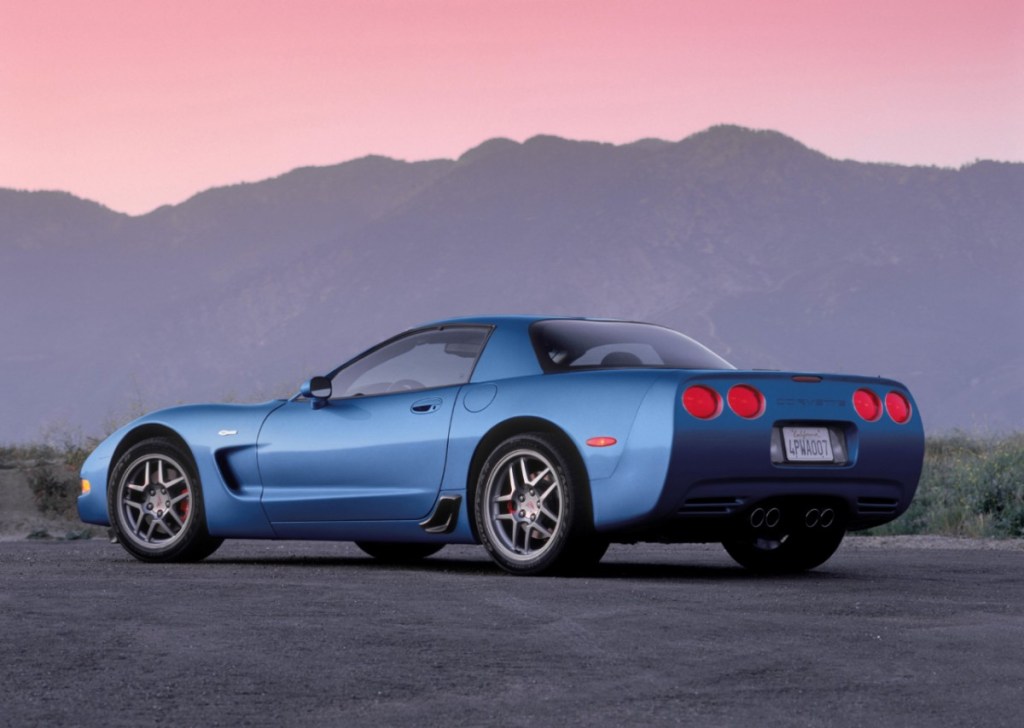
863	504
866	504
718	511
702	481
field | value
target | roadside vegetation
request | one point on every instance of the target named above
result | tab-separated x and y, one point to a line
51	469
971	487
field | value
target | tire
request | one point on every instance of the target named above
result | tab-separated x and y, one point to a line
399	553
155	502
794	552
531	510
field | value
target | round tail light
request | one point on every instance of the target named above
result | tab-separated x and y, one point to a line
746	401
702	402
898	407
867	404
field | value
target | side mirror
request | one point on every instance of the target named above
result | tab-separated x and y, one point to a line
317	389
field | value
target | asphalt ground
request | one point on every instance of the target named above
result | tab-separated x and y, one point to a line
315	634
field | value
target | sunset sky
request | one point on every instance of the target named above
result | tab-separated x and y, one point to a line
138	103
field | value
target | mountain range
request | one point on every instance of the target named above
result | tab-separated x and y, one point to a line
773	254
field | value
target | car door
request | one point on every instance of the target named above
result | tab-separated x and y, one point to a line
376	449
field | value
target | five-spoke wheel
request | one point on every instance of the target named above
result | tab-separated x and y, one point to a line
155	504
529	511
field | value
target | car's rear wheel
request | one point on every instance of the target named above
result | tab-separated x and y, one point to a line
399	553
793	552
156	505
530	510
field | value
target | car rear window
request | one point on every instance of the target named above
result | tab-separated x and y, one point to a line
569	345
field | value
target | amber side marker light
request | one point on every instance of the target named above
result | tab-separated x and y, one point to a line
601	441
86	487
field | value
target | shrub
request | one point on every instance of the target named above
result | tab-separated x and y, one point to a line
55	488
969	487
51	468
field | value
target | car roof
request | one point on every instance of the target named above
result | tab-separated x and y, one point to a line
496	320
509	352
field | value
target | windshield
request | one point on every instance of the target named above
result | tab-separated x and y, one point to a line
568	345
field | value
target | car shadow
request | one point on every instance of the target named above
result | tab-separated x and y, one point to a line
700	572
612	570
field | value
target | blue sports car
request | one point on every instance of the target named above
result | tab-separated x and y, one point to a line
544	439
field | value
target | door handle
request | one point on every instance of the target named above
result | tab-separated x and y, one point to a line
426	406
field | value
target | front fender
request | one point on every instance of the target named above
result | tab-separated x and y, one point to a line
222	440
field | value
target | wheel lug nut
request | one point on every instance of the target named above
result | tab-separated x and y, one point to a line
522	498
533	517
522	514
149	506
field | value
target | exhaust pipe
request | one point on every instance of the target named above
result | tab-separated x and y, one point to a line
770	518
824	518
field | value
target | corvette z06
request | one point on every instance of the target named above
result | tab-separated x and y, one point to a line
543	439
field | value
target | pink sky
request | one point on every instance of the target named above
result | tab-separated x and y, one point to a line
138	103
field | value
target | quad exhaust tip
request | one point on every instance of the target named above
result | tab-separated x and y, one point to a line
762	517
772	517
823	518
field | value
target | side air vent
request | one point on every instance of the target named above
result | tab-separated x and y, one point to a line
445	516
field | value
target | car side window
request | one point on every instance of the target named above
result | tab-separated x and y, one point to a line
563	345
620	355
420	360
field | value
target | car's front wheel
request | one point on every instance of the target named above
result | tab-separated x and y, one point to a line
793	552
530	510
156	506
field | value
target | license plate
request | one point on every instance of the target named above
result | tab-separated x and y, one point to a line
808	444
